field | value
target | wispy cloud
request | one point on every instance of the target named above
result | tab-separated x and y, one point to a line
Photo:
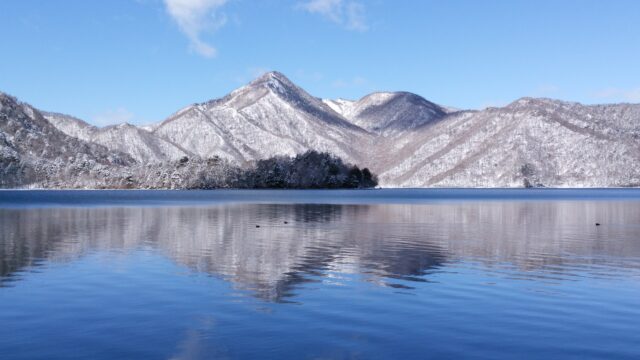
617	94
195	17
350	14
114	116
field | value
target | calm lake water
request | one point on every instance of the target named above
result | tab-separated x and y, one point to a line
381	274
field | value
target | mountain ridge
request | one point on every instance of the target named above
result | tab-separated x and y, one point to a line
404	138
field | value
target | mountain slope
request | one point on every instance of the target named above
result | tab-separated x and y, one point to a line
405	139
139	143
270	116
388	112
531	142
70	125
33	150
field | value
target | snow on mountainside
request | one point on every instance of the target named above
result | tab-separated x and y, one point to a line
32	150
341	106
270	116
405	139
387	112
70	125
141	144
529	142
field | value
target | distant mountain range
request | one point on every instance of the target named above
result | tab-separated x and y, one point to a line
407	140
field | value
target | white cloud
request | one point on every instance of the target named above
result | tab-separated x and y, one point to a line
617	94
355	17
194	17
110	117
350	14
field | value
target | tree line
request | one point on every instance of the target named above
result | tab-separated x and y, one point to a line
310	170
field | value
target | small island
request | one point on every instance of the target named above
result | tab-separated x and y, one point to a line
309	170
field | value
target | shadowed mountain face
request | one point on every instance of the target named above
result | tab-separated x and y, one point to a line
388	245
389	113
31	148
405	139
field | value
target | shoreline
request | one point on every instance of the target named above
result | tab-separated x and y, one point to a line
11	199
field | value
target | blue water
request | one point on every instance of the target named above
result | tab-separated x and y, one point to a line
380	274
92	198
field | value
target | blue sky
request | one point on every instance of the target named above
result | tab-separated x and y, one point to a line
141	60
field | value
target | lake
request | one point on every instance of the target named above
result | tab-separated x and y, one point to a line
371	274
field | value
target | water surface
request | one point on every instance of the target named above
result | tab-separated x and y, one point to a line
321	274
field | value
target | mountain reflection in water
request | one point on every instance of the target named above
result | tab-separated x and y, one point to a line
269	250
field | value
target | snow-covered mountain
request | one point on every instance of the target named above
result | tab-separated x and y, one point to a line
32	150
139	143
529	142
407	140
388	112
270	116
70	125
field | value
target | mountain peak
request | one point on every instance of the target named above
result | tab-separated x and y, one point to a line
391	111
274	80
529	102
276	75
4	97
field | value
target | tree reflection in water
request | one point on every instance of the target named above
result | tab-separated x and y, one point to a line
390	245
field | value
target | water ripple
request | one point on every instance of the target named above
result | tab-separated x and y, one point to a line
488	279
